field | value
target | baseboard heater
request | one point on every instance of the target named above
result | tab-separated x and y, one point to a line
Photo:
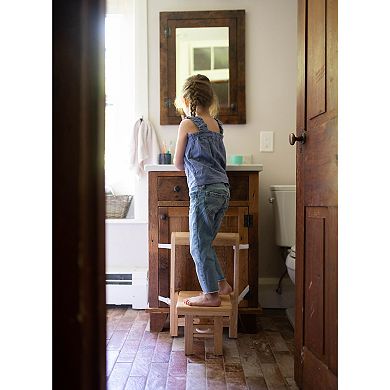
128	288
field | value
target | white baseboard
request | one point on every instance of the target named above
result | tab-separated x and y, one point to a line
270	299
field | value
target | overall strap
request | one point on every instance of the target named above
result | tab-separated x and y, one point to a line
199	123
219	125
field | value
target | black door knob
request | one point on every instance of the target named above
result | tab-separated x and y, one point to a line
292	138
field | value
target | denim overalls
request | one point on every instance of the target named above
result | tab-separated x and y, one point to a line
205	167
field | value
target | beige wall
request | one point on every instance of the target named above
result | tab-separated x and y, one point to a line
271	41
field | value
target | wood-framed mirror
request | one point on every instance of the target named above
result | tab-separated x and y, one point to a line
206	42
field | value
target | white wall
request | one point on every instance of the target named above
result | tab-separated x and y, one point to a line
133	75
271	44
126	246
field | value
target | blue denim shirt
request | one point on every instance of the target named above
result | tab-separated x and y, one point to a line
205	156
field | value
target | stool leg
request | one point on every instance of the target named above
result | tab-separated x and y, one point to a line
173	328
234	294
218	329
173	318
188	334
233	317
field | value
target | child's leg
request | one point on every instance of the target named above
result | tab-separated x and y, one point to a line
205	218
223	286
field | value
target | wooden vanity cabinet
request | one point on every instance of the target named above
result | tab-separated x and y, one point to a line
168	212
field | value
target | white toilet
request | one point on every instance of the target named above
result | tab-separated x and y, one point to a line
283	201
290	263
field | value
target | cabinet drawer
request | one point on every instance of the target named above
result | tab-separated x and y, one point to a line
172	188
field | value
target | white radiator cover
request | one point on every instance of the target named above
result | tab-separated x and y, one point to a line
128	288
127	254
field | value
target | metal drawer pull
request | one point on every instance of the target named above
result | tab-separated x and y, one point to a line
163	217
176	189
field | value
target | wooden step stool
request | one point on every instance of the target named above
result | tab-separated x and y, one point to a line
190	312
222	239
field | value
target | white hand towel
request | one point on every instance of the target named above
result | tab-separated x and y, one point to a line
145	146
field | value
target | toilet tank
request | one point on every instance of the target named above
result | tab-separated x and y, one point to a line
283	202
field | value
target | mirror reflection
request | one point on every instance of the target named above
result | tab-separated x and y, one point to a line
204	50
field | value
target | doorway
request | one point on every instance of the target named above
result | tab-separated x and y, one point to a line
79	266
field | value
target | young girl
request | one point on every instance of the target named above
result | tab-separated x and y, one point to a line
201	153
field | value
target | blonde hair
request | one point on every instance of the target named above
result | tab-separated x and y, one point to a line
198	91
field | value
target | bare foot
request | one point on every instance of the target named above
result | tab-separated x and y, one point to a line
211	300
224	287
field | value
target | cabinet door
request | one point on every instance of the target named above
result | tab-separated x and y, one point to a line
175	219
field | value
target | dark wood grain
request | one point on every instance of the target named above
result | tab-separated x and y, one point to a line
317	197
79	327
235	111
164	237
316	59
239	186
172	188
168	214
253	239
316	220
157	320
166	185
316	375
331	307
300	210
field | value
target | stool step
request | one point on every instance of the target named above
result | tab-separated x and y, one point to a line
223	310
222	239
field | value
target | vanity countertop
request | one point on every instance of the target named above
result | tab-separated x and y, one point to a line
171	167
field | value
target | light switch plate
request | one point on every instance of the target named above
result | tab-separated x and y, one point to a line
266	141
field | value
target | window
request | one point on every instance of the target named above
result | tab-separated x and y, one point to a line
126	81
210	58
119	103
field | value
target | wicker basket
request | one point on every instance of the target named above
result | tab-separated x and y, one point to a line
117	206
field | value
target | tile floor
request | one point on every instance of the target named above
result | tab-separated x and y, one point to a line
139	359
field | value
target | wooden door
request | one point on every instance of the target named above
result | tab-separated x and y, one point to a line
79	304
316	246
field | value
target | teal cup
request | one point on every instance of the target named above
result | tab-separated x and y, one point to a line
236	159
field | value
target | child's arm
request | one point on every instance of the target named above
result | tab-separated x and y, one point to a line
181	144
